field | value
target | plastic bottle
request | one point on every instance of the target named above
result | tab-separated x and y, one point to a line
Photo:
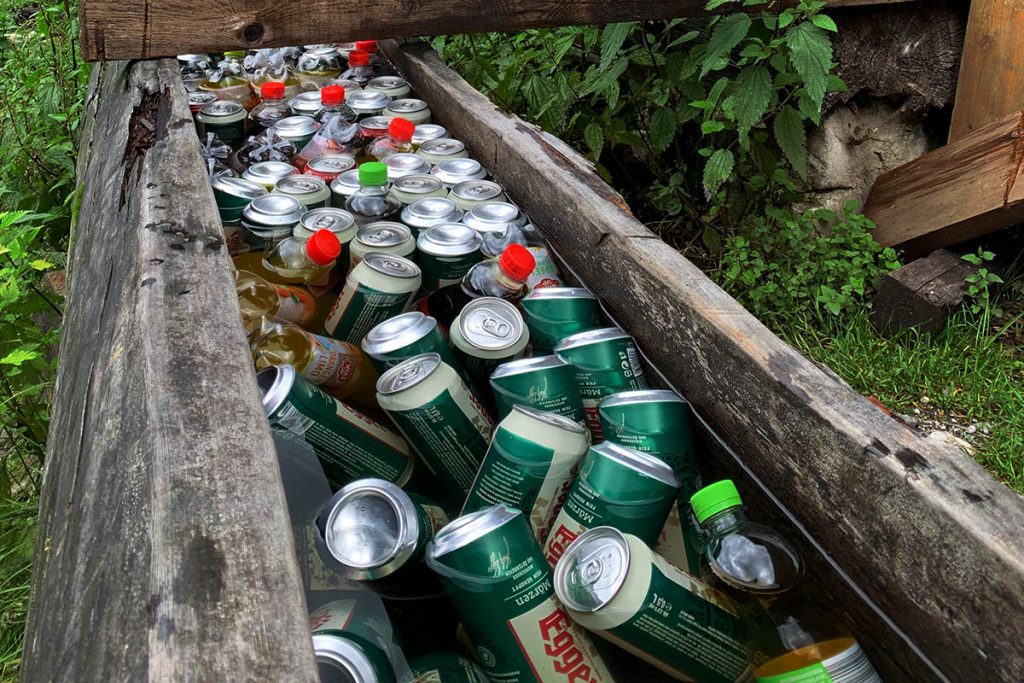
317	65
398	139
338	133
332	99
259	299
759	568
229	81
504	277
301	259
370	48
545	272
371	202
272	108
359	69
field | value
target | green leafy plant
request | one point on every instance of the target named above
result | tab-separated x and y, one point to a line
979	283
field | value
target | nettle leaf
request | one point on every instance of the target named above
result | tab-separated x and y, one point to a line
825	22
612	38
40	264
593	135
807	108
752	97
811	53
718	169
709	127
727	34
663	128
19	356
789	133
715	4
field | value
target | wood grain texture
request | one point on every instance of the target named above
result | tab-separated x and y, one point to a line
991	82
164	549
925	533
164	28
963	190
921	294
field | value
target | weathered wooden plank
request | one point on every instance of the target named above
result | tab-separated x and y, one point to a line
932	540
163	28
991	82
963	190
164	547
921	294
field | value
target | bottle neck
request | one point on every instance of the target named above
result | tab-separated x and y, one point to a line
724	521
335	108
374	189
273	101
505	279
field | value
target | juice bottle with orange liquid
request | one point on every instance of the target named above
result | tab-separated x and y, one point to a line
259	299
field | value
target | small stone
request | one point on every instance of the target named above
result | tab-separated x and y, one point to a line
925	400
972	429
917	411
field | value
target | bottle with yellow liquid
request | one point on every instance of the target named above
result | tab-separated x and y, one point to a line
759	568
339	368
302	259
229	81
259	299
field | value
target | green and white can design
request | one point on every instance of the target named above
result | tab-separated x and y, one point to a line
487	332
368	651
618	487
380	287
447	251
404	336
410	109
554	313
382	237
441	149
348	444
846	663
392	86
226	118
470	193
444	667
268	173
308	189
411	188
439	415
232	196
615	586
298	130
501	586
530	466
546	383
606	362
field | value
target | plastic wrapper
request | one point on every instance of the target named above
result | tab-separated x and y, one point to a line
267	146
335	135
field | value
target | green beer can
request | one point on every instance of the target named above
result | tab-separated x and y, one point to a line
439	415
444	667
553	313
354	641
658	422
546	383
348	444
226	118
298	130
308	189
617	487
404	336
487	332
446	253
233	195
530	466
501	585
268	173
380	287
612	584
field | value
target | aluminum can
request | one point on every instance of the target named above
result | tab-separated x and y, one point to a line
267	220
344	186
404	336
382	237
617	487
410	188
428	131
492	217
306	104
423	213
374	528
439	415
394	87
546	383
380	287
487	332
232	196
226	118
354	641
348	444
330	166
502	588
658	422
612	584
444	667
470	193
442	149
409	109
367	102
530	465
298	130
268	173
403	164
374	127
446	253
310	190
455	171
606	362
553	313
198	100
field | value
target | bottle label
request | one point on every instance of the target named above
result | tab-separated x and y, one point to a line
545	272
295	304
331	362
850	665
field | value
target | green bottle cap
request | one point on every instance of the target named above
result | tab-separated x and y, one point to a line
714	498
373	173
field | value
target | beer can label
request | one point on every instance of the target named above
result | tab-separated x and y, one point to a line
430	518
364	622
678	541
441	271
597	384
849	665
295	304
557	648
360	308
545	272
331	362
444	668
553	391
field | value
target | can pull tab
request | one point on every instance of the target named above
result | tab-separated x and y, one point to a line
496	327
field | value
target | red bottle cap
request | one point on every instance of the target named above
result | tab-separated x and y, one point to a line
369	46
332	95
272	90
358	58
517	262
401	129
323	247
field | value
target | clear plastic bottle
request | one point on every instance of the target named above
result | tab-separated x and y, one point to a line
338	133
259	299
359	69
332	99
545	272
504	277
370	48
229	81
371	202
271	109
398	139
272	64
302	259
317	65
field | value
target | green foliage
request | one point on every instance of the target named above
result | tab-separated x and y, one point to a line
979	283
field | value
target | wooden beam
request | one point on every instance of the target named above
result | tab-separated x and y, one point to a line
164	549
991	83
921	294
963	190
922	530
113	29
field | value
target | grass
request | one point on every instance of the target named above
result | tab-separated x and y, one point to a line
17	534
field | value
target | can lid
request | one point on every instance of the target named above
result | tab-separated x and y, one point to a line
452	171
323	247
300	185
274	209
239	187
448	239
476	190
579	339
391	265
406	105
347	182
408	373
269	171
404	164
367	46
492	216
428	131
401	129
517	262
396	332
201	97
428	211
295	126
633	397
714	498
550	418
387	82
272	90
469	528
328	218
275	382
373	173
333	162
592	570
490	323
524	365
332	95
358	58
338	658
306	101
644	463
221	108
383	234
375	124
560	293
368	100
443	146
370	528
417	183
